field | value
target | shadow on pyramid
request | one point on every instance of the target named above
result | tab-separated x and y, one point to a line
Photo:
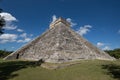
59	44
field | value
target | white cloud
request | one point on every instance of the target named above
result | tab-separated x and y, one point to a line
8	36
8	16
24	35
54	18
31	35
19	41
24	38
99	44
27	39
70	21
103	46
84	30
9	21
106	48
23	41
4	38
20	30
9	26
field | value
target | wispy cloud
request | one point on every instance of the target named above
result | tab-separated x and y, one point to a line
54	18
84	30
9	26
100	44
103	46
4	38
24	40
20	30
106	48
24	35
71	22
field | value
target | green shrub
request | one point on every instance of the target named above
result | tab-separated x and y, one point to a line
115	53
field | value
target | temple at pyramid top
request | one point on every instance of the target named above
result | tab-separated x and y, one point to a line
59	21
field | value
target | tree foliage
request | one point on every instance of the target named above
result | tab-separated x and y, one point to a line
4	53
115	53
2	23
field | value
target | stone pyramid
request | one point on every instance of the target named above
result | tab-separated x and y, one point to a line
59	44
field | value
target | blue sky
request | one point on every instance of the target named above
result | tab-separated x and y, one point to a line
96	20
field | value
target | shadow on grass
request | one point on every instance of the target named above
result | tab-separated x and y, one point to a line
113	70
7	68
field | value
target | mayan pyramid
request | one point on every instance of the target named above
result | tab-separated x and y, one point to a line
59	44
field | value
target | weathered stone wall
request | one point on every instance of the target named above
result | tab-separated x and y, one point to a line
59	44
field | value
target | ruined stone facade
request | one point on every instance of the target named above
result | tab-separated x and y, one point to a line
59	44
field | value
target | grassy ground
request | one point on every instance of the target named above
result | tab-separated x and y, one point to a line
85	70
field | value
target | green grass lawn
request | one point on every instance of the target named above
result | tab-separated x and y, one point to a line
85	70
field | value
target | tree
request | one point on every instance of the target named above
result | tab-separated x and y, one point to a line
4	53
115	53
2	23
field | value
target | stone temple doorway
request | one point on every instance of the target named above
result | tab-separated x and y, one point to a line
17	57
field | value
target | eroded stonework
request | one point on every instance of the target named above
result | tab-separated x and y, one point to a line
59	44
